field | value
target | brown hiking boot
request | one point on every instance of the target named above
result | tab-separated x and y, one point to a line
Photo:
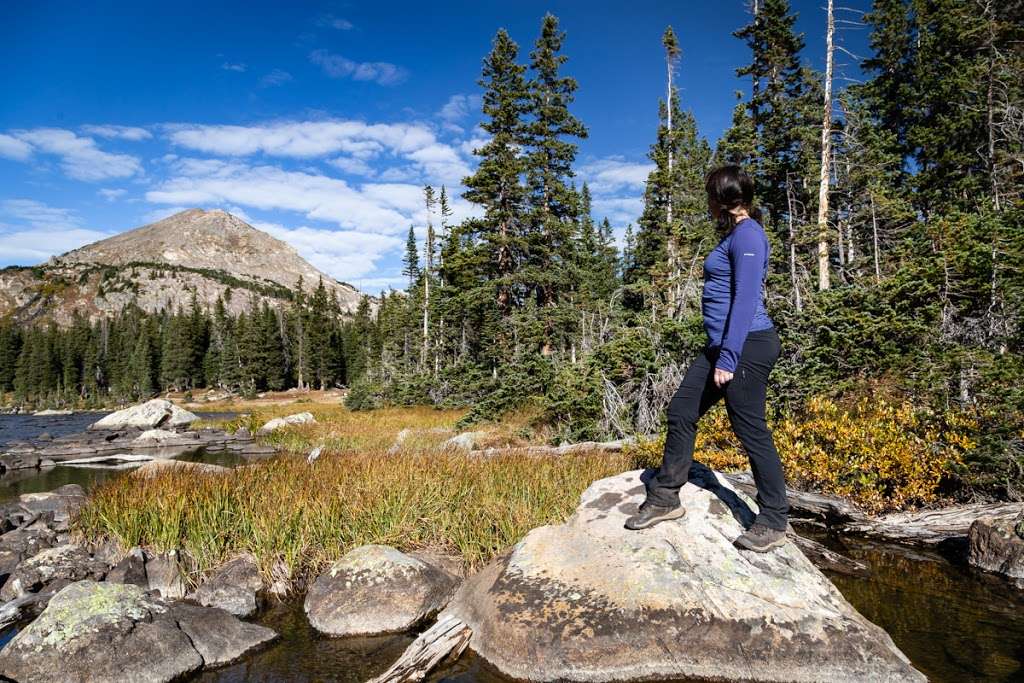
648	515
761	538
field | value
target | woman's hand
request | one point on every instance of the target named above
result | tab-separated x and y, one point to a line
722	377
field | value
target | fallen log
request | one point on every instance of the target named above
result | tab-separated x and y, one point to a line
919	527
823	558
564	449
449	636
102	459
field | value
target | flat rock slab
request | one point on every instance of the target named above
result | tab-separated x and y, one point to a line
589	600
149	415
61	503
376	589
108	632
156	467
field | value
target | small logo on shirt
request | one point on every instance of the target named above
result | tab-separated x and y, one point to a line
749	254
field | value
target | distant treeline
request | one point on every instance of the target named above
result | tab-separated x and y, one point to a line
136	354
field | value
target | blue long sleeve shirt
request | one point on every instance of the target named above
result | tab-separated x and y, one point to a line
733	299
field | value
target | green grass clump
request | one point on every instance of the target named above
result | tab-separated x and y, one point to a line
285	511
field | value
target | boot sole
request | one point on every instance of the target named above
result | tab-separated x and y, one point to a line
675	513
741	542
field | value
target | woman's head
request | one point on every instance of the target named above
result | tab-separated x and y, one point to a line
730	192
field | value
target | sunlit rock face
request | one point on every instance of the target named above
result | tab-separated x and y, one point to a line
589	600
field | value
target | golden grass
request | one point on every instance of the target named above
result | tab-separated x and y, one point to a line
285	511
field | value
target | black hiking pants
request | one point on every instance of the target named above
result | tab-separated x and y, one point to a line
744	401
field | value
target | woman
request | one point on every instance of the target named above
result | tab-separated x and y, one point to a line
742	348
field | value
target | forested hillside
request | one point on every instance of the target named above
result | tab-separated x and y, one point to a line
894	211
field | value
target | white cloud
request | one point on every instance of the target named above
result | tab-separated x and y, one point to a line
236	66
132	133
26	247
353	166
618	210
343	254
80	157
111	194
385	208
162	213
39	216
13	148
275	77
434	161
336	66
40	231
459	107
613	174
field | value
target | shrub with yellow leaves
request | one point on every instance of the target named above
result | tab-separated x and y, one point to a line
879	454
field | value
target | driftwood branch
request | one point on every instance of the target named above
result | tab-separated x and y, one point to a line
449	636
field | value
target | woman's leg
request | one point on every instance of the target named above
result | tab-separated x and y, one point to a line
745	402
694	397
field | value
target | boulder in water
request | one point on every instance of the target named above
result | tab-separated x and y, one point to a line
995	545
149	415
100	632
278	422
589	600
376	589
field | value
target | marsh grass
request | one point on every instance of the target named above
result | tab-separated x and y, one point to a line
285	511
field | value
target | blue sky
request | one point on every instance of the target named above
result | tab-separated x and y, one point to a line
321	122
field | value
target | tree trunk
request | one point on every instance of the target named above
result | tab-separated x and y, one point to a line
874	238
826	159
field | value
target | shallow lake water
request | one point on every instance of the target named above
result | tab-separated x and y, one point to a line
956	624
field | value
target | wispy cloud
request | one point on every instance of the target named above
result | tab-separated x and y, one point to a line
133	133
111	194
40	231
613	174
436	161
337	66
331	21
80	157
234	66
459	107
13	148
275	77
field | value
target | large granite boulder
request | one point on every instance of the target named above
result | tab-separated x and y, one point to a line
376	589
279	422
21	544
157	413
154	468
996	545
589	600
99	632
233	587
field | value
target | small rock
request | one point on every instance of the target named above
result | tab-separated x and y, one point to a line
62	563
132	569
46	464
314	455
376	589
48	412
45	436
163	572
232	587
243	433
466	441
278	422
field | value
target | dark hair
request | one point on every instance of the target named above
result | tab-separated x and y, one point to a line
729	187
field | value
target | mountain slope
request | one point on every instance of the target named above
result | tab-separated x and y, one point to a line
160	265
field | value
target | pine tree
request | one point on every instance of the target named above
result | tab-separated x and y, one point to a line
411	261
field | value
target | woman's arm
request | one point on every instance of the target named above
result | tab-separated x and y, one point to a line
746	255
